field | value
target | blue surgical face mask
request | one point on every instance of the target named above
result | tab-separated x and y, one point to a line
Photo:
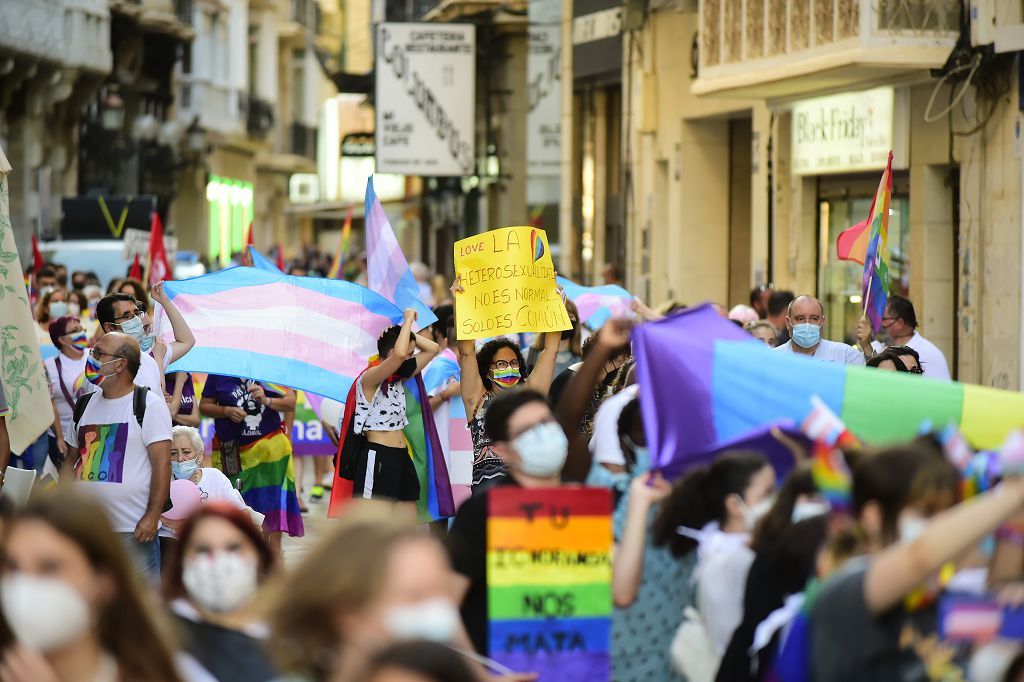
542	450
184	470
643	460
806	335
146	342
133	327
57	309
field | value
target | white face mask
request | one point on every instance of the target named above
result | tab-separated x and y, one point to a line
751	515
435	620
911	528
221	582
542	450
44	613
808	510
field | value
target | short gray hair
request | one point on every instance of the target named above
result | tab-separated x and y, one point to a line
190	433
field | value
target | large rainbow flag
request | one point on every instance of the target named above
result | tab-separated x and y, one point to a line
597	304
713	383
312	334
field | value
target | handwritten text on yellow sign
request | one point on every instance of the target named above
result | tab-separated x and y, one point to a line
509	283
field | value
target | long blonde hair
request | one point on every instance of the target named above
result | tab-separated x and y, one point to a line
343	574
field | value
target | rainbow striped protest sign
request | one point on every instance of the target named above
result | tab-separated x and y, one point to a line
549	571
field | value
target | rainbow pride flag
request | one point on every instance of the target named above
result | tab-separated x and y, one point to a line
597	304
549	570
342	253
312	334
712	383
868	243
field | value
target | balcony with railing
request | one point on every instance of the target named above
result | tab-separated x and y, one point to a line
72	34
218	107
785	48
303	141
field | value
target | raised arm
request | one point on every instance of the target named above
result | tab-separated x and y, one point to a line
375	376
471	386
628	563
183	337
428	351
544	371
571	408
901	568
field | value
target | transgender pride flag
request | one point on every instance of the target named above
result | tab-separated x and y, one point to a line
388	272
309	333
597	304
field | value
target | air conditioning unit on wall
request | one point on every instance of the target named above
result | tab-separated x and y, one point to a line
999	23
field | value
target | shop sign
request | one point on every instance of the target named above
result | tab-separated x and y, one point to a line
544	71
357	164
426	99
843	133
597	39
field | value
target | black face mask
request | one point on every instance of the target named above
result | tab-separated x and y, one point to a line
567	334
407	368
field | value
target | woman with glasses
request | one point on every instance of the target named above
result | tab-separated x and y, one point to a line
497	366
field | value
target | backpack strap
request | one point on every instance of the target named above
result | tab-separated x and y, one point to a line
139	403
80	405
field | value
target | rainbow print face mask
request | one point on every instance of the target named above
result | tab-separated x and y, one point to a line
80	341
506	378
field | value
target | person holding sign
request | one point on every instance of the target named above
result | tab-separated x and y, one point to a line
383	466
496	367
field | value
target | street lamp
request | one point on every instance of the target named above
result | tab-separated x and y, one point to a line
196	137
112	112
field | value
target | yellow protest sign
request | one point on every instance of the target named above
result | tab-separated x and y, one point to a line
509	283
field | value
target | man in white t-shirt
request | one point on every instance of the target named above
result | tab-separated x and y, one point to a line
124	461
805	321
120	313
900	321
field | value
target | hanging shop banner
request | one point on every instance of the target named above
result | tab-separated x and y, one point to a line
509	283
850	132
544	71
426	99
549	601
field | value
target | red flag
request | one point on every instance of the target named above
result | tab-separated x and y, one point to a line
159	268
246	256
136	271
280	257
37	257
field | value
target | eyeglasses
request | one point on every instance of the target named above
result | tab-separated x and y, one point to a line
96	352
889	319
916	370
503	364
127	316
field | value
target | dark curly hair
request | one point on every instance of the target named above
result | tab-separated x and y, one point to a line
485	356
389	338
699	498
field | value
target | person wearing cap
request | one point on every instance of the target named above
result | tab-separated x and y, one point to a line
66	373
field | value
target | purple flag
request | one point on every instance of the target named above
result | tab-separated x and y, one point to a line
674	359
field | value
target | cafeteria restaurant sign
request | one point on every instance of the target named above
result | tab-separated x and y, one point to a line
850	132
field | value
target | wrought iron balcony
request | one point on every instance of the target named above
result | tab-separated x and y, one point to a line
783	48
303	141
260	116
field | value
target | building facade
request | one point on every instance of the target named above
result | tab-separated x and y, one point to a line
757	131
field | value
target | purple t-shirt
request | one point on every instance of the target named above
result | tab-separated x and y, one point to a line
234	392
188	391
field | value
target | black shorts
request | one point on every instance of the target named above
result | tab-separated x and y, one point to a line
385	473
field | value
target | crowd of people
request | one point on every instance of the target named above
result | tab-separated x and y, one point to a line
729	572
